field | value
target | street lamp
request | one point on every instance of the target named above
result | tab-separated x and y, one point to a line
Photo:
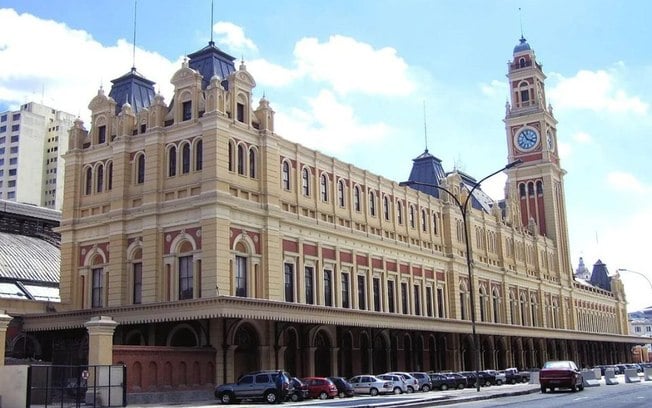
464	206
637	273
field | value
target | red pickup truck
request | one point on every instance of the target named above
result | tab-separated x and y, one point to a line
560	374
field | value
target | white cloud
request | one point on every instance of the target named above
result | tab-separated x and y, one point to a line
271	74
352	66
622	181
582	137
495	88
594	90
329	125
67	72
233	37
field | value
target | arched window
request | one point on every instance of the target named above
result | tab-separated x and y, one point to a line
109	174
231	155
530	189
496	305
89	181
185	158
100	178
483	304
172	161
140	169
305	182
399	212
241	160
523	305
521	62
323	187
424	221
434	223
372	203
524	90
539	187
340	192
534	308
356	198
521	190
412	216
252	162
386	208
199	155
286	175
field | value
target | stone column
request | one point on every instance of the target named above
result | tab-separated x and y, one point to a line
100	340
4	323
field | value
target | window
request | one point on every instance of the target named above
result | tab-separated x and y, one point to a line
13	160
524	91
390	296
231	156
15	117
240	276
11	195
386	208
286	175
399	212
15	128
424	221
185	277
376	289
100	179
362	305
412	216
434	223
404	298
14	138
496	307
340	193
187	110
199	155
252	162
137	269
97	290
13	149
11	183
305	182
101	134
2	150
323	187
372	203
109	169
3	118
309	279
417	300
345	290
328	287
89	181
289	282
356	198
3	138
143	128
140	174
172	161
429	301
3	129
12	172
185	158
241	160
240	112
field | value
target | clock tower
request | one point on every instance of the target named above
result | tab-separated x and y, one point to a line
536	186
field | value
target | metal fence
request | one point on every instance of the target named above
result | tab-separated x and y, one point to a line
76	386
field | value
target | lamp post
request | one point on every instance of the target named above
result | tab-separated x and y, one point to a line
637	273
464	207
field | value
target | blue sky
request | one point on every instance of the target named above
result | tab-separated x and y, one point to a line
350	79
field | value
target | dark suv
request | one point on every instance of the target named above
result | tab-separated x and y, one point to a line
257	385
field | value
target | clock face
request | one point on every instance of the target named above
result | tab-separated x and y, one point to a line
527	139
549	140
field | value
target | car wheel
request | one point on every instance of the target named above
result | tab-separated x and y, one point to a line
574	388
227	398
543	389
373	392
580	387
341	394
499	382
397	390
410	389
460	386
425	388
271	397
487	383
294	397
443	387
323	395
513	381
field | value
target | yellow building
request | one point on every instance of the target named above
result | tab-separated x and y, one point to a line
219	247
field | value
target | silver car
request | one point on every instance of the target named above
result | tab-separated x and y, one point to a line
369	384
424	380
412	383
398	383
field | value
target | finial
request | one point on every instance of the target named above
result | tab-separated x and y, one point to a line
133	52
425	127
520	20
211	43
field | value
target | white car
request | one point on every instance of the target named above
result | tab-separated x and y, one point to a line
398	383
369	384
412	383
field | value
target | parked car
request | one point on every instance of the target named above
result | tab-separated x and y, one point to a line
344	388
257	385
499	376
460	380
369	384
424	380
299	390
513	376
320	387
412	383
560	374
444	382
398	383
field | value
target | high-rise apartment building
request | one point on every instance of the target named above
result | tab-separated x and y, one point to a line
31	142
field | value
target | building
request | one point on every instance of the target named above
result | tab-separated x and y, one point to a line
199	244
32	140
641	322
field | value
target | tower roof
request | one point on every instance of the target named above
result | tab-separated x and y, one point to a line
134	89
210	61
427	169
522	46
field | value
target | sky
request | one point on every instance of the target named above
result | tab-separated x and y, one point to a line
375	82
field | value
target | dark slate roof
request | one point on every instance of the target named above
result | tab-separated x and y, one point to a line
28	259
210	61
427	169
600	276
522	46
133	88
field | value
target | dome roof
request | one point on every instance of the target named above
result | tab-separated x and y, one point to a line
522	46
28	259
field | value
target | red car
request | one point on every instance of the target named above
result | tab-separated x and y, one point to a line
560	374
320	387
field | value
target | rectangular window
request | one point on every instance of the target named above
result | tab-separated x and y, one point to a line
187	110
240	112
390	296
138	282
376	294
429	301
11	183
98	287
185	277
417	300
11	195
328	287
2	150
362	305
3	118
13	149
345	290
3	128
241	276
15	128
309	279
14	138
12	172
13	160
15	117
525	95
404	298
101	134
289	282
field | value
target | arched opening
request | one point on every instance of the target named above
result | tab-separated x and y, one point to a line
322	355
380	354
246	355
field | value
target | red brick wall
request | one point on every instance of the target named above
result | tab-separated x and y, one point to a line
158	368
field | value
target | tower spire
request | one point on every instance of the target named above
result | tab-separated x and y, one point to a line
211	42
520	21
133	50
425	126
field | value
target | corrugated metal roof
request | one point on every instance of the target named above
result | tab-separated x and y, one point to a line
28	259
